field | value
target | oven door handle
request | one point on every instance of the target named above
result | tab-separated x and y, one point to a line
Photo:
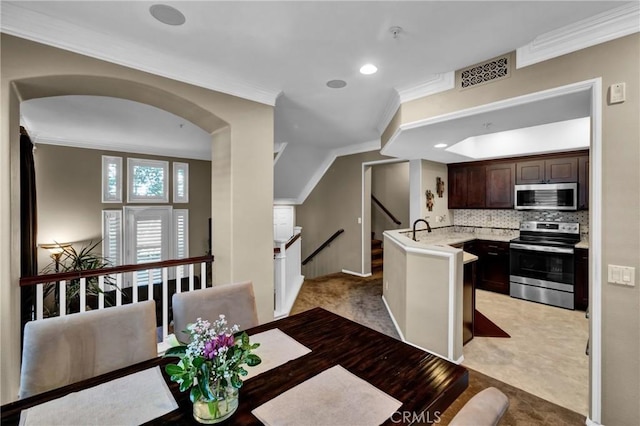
545	249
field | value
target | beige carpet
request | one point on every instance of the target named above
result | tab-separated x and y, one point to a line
360	299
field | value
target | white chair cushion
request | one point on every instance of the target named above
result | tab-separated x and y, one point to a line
486	408
236	301
63	350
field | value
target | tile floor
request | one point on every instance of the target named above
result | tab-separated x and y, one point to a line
545	355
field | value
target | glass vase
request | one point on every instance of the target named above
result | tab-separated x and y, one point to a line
218	410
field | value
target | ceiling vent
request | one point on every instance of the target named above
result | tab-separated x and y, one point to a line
487	72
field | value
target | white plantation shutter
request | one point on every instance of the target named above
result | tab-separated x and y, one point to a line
148	238
112	236
181	236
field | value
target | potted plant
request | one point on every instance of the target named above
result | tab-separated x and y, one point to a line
211	367
72	260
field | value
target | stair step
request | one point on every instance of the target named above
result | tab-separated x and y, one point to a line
376	265
376	244
377	253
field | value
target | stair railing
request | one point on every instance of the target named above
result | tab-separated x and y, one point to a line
386	210
323	246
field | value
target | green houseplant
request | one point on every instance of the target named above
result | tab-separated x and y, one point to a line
71	260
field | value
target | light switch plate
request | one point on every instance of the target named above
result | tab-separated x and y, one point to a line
624	275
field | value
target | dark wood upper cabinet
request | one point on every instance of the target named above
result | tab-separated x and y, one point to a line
490	184
457	187
530	172
553	170
500	181
561	170
466	187
583	182
476	178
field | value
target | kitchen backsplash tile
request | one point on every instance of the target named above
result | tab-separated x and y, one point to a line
510	219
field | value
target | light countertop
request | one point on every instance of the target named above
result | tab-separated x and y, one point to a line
468	257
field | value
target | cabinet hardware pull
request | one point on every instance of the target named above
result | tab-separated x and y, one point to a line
492	253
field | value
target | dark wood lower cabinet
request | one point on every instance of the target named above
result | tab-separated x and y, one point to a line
581	288
468	301
493	265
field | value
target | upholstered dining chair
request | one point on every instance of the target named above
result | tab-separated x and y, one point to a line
64	350
485	408
235	301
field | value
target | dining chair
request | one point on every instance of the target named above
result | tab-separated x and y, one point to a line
486	408
235	301
64	350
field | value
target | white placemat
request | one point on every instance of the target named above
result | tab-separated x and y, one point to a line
333	397
276	348
129	400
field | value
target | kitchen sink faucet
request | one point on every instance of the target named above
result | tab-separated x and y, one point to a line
414	227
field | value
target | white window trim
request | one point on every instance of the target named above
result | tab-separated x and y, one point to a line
177	167
106	160
131	197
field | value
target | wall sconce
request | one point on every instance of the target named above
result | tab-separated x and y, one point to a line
55	251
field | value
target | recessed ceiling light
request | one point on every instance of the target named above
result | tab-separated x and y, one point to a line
336	84
368	69
167	14
440	145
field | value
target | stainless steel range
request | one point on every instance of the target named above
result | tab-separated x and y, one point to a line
542	263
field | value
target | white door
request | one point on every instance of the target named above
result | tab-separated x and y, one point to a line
283	221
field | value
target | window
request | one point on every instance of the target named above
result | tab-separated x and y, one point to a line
151	234
181	237
112	236
180	182
147	181
111	179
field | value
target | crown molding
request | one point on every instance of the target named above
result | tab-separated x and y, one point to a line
18	20
389	111
122	147
603	27
279	149
437	83
357	148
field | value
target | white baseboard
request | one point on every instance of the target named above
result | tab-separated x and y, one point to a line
393	319
590	422
357	274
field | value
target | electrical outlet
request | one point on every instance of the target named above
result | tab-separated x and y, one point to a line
386	285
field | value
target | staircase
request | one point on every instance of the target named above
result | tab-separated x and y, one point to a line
376	254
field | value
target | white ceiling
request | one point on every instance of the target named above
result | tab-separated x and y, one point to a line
288	50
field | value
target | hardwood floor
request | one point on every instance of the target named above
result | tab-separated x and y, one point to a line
359	299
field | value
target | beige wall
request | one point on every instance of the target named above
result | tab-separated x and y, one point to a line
70	204
390	185
431	170
245	177
614	61
335	203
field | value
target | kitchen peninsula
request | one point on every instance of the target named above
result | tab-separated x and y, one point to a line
424	286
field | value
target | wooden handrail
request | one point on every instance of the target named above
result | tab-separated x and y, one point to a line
39	279
384	209
292	240
325	244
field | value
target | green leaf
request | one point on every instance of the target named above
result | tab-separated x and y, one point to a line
242	371
174	370
176	351
195	394
253	360
245	339
255	346
236	382
198	361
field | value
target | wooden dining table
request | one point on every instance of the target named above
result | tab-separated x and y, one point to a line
425	384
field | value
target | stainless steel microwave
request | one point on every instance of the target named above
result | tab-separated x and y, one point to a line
547	196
